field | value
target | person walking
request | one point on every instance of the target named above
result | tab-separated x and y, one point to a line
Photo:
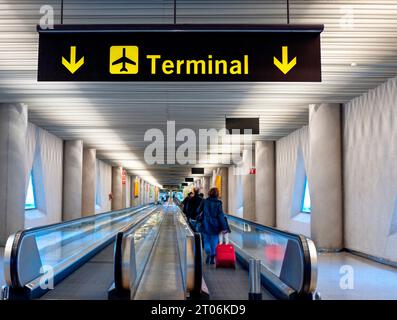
185	201
192	206
212	222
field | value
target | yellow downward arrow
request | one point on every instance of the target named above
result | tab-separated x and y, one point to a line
284	66
72	65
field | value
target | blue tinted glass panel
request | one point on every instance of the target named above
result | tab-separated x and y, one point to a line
30	202
306	204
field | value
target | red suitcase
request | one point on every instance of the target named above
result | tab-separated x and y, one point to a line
225	256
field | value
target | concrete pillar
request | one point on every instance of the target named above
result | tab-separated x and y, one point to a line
248	186
143	184
232	205
72	179
141	192
325	176
128	192
206	186
147	187
124	193
224	173
89	182
198	183
213	177
265	183
117	203
13	127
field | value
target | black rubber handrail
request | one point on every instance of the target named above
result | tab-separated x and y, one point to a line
118	246
82	219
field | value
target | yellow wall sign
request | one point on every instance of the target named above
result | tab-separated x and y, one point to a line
136	189
218	184
123	60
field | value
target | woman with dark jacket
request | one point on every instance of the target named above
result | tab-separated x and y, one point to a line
212	220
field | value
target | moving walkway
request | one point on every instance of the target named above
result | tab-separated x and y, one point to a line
151	252
174	268
37	259
170	267
288	264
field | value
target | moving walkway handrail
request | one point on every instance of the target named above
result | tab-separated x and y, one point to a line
23	243
307	256
191	259
126	278
288	284
199	289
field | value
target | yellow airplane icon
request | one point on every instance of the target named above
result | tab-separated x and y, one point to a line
123	60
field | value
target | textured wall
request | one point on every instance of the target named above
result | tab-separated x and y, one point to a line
103	186
128	192
89	182
117	189
265	183
44	154
13	126
292	155
72	179
248	183
370	172
326	176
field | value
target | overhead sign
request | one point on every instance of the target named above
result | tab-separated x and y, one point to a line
241	125
180	53
197	170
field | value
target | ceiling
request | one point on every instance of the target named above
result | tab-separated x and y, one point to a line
359	51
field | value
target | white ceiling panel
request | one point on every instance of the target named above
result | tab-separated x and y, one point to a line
113	117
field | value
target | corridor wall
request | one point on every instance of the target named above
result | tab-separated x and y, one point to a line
370	172
103	187
44	156
292	159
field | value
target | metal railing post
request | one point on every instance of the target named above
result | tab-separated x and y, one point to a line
130	265
4	294
255	288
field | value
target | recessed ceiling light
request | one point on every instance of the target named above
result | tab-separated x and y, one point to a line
353	64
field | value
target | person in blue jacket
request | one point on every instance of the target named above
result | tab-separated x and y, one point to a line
212	222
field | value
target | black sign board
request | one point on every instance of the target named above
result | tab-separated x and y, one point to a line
180	53
184	184
170	187
197	170
239	125
189	179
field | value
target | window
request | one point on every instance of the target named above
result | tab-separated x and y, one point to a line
306	204
30	201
